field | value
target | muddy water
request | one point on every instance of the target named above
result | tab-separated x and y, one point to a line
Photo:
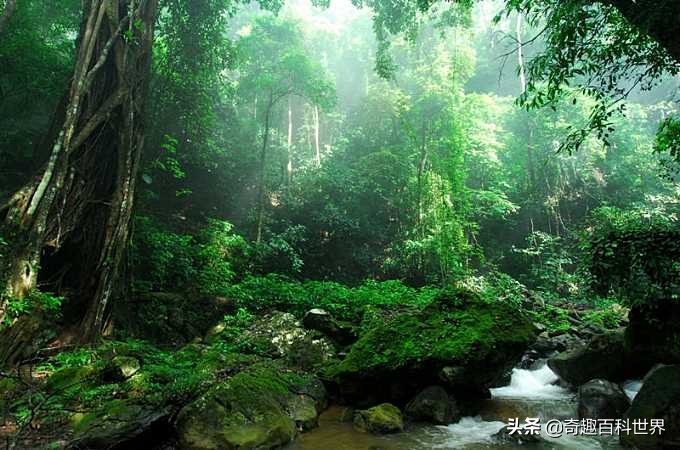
531	393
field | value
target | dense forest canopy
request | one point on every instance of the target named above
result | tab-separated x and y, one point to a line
352	156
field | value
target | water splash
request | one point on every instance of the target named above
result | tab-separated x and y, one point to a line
631	388
532	384
469	430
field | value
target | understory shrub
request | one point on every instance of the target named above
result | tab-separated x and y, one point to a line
634	255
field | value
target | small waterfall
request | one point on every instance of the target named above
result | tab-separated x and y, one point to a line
532	385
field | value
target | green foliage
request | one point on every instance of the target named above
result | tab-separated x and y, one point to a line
596	49
217	254
610	316
175	262
35	302
274	292
552	264
668	144
634	255
165	259
553	317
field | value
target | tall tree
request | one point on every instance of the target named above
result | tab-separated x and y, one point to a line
276	65
68	227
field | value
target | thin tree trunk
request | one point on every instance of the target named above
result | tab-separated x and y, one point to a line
531	170
78	210
10	6
422	160
316	136
261	172
289	166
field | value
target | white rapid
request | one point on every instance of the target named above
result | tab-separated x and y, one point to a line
631	388
530	393
532	384
468	431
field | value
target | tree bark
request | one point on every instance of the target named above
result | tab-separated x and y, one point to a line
69	227
10	6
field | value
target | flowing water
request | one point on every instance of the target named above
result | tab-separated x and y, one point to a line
531	393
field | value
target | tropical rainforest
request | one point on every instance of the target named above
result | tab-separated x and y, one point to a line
365	224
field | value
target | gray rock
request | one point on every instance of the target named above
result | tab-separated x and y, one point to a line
433	405
115	426
342	333
601	399
604	357
504	437
659	398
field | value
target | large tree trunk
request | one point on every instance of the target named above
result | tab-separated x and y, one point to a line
69	227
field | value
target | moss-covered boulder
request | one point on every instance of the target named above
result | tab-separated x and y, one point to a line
73	377
116	423
400	353
254	409
382	419
302	409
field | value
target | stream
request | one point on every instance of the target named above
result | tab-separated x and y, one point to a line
531	393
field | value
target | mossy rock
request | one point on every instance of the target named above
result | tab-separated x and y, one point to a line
382	419
251	410
401	353
302	409
75	377
115	423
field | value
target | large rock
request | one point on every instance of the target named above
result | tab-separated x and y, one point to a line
601	399
604	357
505	436
302	409
116	424
432	405
401	352
659	398
281	335
381	419
255	409
342	333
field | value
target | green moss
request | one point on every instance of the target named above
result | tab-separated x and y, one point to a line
248	410
384	418
458	328
76	377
